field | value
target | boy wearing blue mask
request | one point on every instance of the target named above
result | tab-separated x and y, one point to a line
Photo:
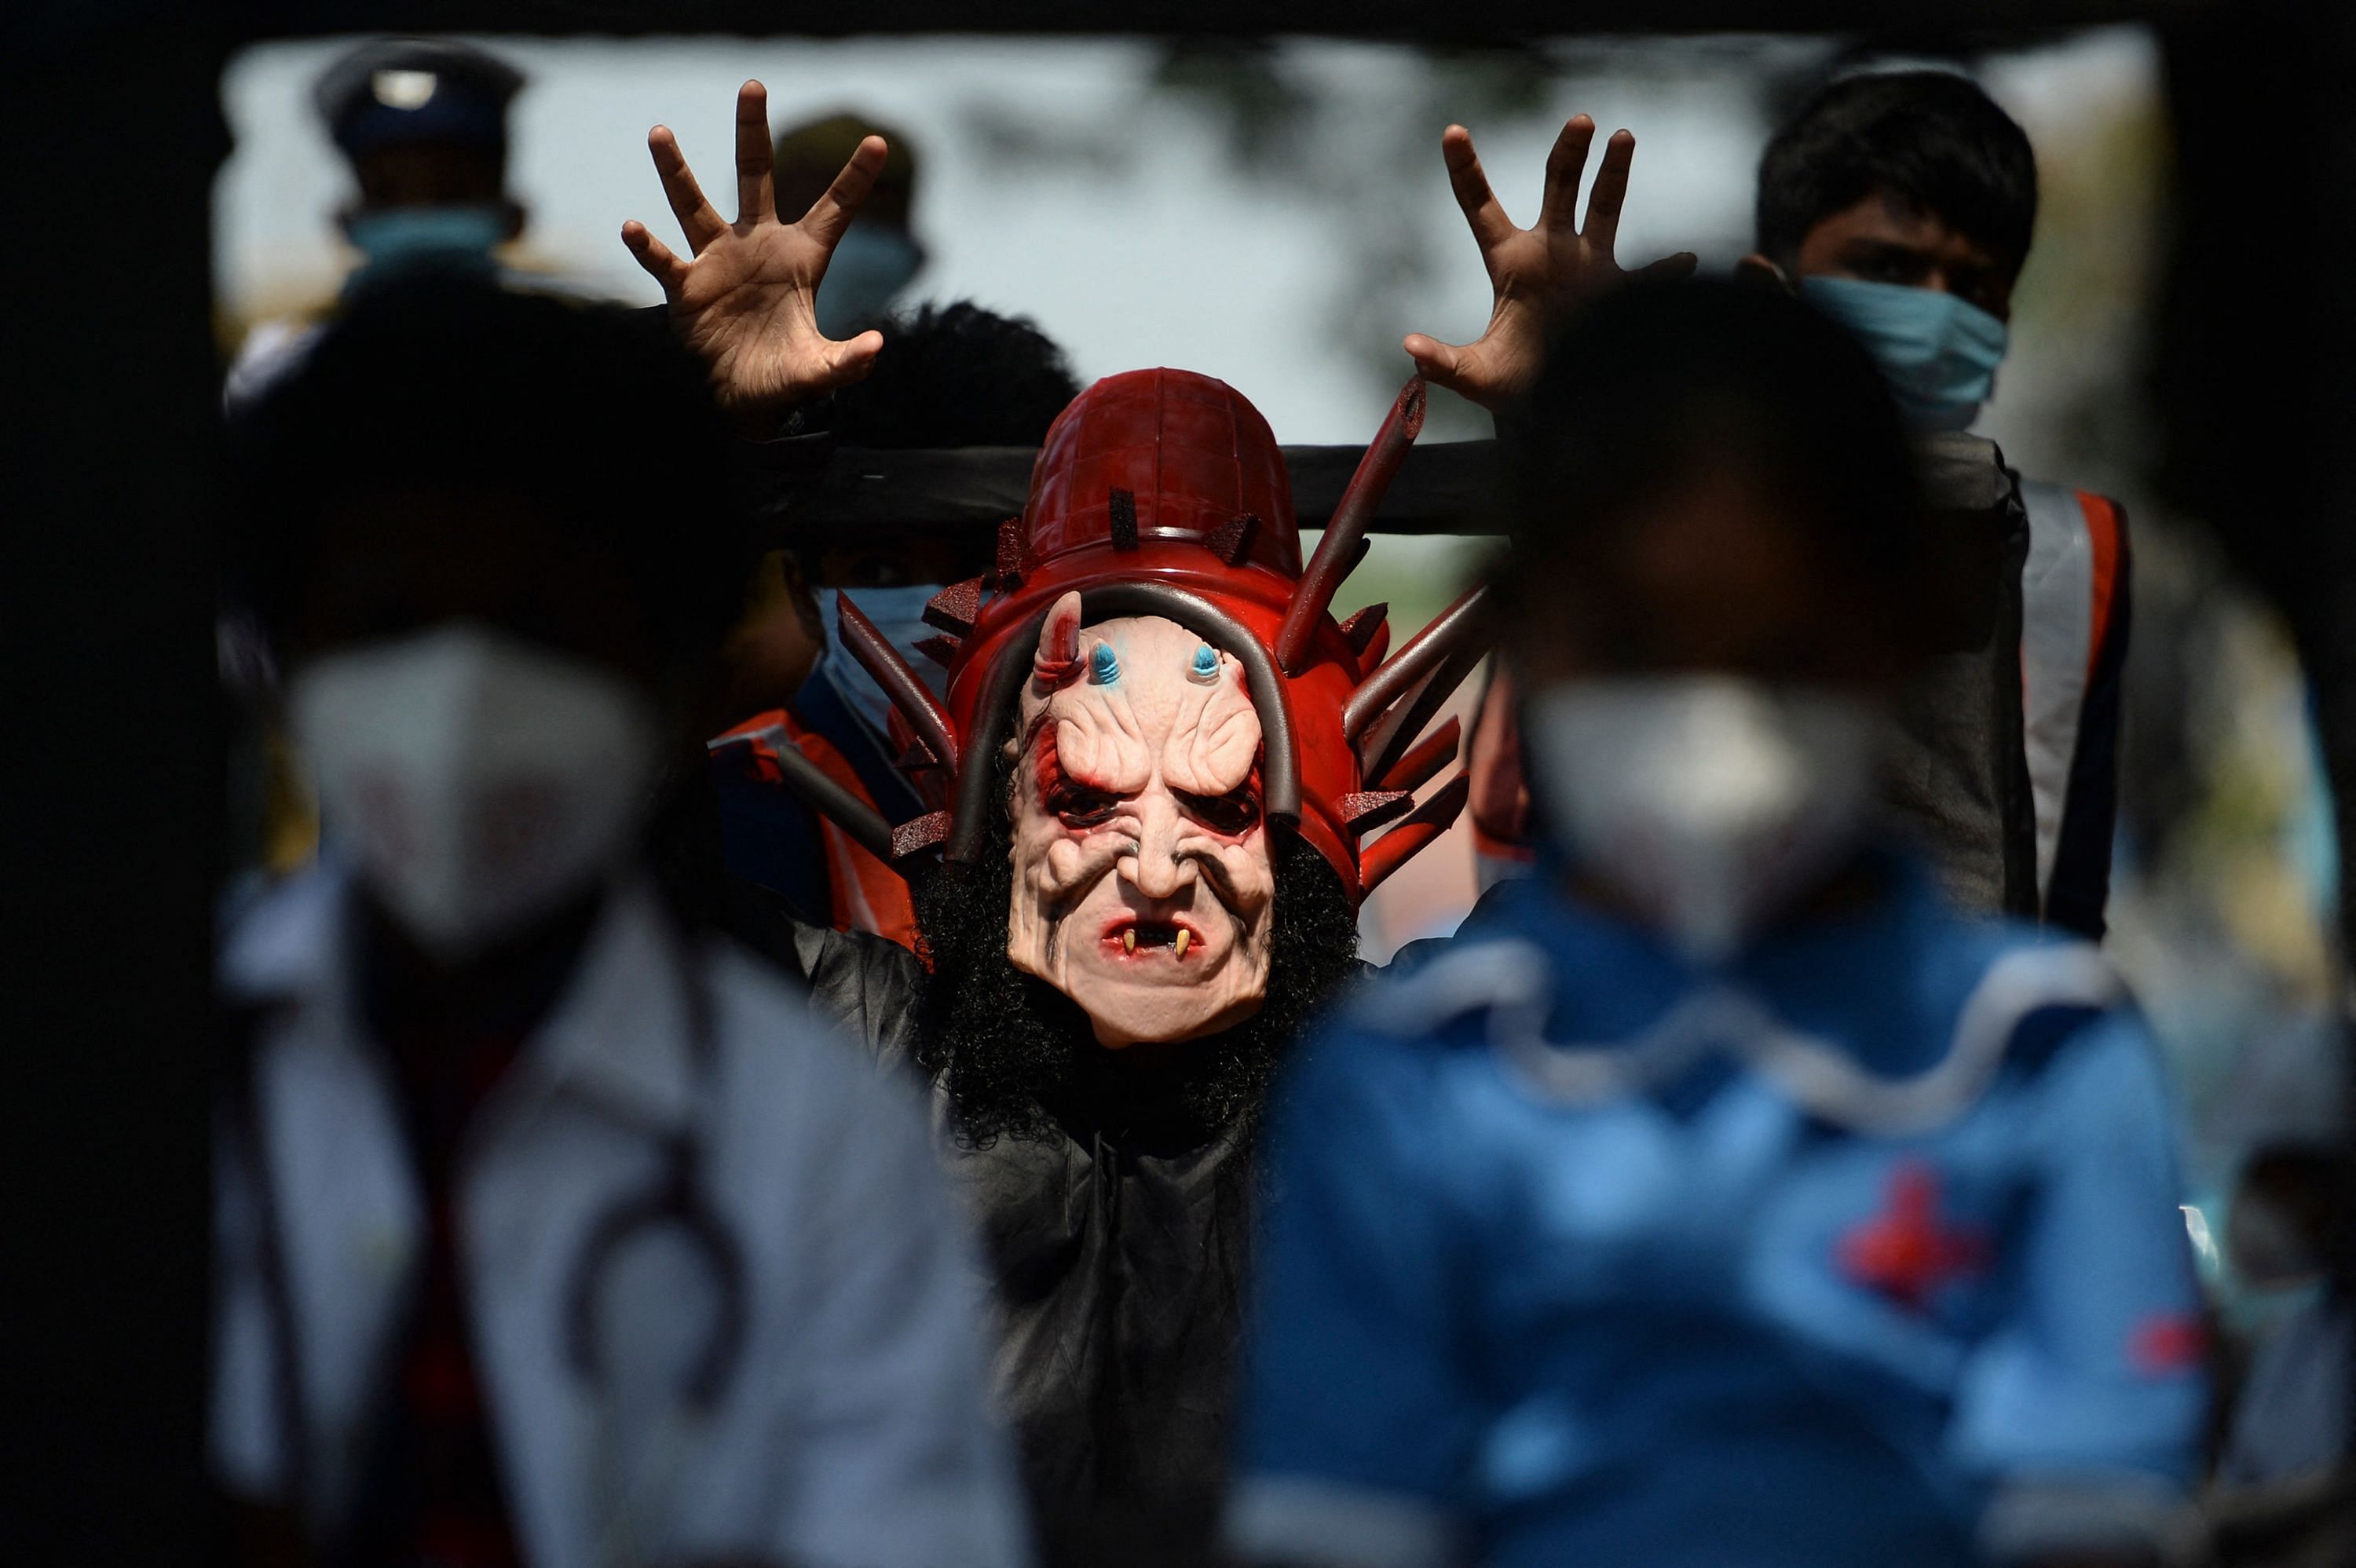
1901	203
1723	1194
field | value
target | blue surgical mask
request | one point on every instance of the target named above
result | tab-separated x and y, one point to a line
899	614
403	238
1938	352
870	265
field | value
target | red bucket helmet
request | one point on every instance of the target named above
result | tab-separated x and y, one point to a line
1162	493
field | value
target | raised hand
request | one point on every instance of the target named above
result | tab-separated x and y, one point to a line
1532	271
745	303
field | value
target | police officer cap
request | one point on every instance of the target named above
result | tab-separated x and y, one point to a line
416	89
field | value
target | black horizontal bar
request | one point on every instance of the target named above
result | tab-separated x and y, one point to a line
870	496
1503	22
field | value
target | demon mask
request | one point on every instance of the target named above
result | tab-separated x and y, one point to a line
1153	720
1143	879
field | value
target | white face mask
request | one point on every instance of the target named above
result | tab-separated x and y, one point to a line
1707	802
476	780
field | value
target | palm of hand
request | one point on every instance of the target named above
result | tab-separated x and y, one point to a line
1531	279
746	304
747	310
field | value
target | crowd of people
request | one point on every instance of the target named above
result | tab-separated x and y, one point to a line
797	1047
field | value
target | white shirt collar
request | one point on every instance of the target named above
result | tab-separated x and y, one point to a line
621	1034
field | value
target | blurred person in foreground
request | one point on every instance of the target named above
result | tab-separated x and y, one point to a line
550	1230
1720	1194
956	376
2292	1416
1901	204
2284	1491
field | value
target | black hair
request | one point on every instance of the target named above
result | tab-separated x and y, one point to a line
1931	139
1660	379
449	384
957	374
1018	1058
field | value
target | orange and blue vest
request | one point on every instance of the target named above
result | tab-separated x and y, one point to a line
769	838
2073	642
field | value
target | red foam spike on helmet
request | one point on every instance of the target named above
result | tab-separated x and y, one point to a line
1369	809
1013	554
954	607
1232	538
1417	830
922	832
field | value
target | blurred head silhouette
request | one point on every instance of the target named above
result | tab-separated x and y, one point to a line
497	541
881	251
423	124
1717	568
1710	478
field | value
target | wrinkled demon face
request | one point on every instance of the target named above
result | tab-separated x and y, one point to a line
1142	882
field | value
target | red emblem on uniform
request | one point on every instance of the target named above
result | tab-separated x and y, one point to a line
1905	1252
2167	1343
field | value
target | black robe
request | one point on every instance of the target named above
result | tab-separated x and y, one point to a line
1118	1243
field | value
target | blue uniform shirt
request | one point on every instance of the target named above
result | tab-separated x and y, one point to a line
1865	1250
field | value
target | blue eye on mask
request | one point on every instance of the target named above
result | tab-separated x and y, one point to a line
399	239
1938	352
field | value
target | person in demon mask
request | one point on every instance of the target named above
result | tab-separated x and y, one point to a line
1149	862
1149	789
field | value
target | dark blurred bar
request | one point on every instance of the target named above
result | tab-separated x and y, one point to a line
2255	382
112	133
873	495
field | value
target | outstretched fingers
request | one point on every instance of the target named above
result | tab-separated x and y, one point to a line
1482	210
1679	266
756	165
831	214
1610	192
656	257
697	218
1565	165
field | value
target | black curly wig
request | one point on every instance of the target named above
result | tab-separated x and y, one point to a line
1018	1057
